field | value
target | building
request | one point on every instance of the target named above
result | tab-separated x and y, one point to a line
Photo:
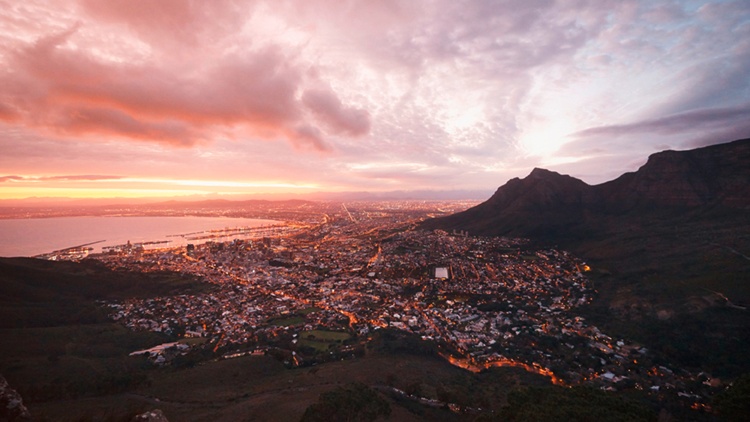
441	273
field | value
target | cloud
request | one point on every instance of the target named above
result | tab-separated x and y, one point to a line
87	177
614	149
687	122
103	122
173	23
63	90
307	134
327	107
65	178
472	90
739	130
8	113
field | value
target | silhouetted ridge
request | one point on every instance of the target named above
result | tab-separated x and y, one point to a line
541	188
543	201
551	205
715	175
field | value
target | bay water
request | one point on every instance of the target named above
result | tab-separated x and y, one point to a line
34	236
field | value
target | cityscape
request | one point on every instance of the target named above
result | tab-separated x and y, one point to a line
319	211
315	291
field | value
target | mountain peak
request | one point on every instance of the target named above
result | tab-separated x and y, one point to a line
675	182
563	181
542	173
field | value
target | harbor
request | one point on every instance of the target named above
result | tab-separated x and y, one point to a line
78	237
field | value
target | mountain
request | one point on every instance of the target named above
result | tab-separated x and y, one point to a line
249	198
669	247
552	206
717	175
543	202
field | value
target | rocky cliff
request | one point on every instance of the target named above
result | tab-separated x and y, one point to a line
155	415
11	404
718	175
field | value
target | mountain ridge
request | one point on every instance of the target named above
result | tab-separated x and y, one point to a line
667	245
698	177
674	183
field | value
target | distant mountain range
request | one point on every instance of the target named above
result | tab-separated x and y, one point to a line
708	181
237	199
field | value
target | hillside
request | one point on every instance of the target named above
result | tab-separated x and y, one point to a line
680	211
668	244
39	293
70	363
705	184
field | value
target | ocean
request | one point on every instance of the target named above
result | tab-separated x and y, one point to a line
34	236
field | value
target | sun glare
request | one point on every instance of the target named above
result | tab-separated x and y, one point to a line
545	139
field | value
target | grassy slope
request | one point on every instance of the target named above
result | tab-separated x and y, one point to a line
262	389
664	281
70	363
663	275
57	342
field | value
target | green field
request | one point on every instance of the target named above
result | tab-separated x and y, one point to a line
322	340
325	335
287	321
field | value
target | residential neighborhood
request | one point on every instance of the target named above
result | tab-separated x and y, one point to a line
318	292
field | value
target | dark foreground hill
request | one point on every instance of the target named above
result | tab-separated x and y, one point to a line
69	362
39	293
669	244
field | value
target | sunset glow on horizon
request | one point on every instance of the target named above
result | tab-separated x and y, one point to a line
117	187
174	98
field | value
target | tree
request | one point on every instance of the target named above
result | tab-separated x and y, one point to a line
733	404
352	402
574	404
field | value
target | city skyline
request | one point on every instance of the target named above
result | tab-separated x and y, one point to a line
174	98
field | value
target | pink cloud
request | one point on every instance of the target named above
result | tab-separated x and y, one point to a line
454	86
306	134
328	108
77	177
168	23
8	113
103	121
68	91
87	177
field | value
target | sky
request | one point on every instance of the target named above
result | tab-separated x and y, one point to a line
146	98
